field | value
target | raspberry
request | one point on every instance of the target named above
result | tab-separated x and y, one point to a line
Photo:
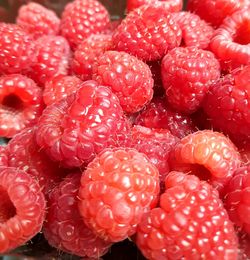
214	11
17	49
22	208
81	18
190	223
87	53
117	187
170	5
210	155
237	200
129	78
38	20
75	129
148	32
227	104
231	41
21	104
64	228
24	154
53	54
157	115
187	74
195	31
60	87
244	244
156	144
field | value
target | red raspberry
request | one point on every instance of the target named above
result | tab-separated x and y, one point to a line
81	18
22	208
17	49
21	104
244	244
4	158
158	115
214	11
53	54
228	104
87	53
60	87
237	199
231	41
117	187
148	32
64	227
75	129
38	20
170	5
156	144
26	155
129	78
187	74
195	31
210	155
190	223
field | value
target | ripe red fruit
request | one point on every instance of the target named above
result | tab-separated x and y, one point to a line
21	104
3	156
190	223
22	208
128	77
77	128
148	33
117	187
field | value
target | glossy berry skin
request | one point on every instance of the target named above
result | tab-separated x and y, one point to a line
53	54
117	187
22	208
231	41
4	158
237	200
170	5
64	228
190	223
157	114
227	104
195	31
128	77
214	11
87	53
21	104
207	154
17	49
77	128
187	74
81	18
60	87
148	33
24	154
38	20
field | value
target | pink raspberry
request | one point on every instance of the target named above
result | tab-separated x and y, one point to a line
81	18
17	49
148	33
187	74
158	115
75	129
231	41
64	227
195	31
87	52
38	20
60	87
128	77
21	104
189	223
117	187
22	208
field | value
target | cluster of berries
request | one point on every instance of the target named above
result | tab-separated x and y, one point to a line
132	129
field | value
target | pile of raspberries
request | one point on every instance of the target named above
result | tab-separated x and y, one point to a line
136	129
